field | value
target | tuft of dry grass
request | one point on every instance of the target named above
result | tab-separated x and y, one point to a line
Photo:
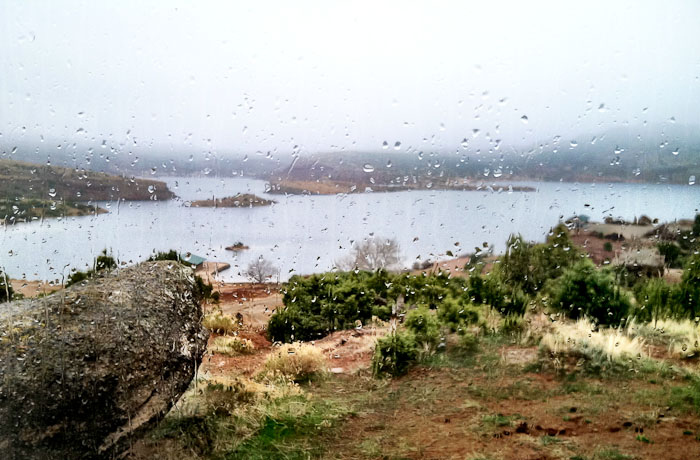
297	361
683	336
220	323
584	338
232	346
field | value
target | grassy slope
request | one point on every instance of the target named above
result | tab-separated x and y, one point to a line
503	401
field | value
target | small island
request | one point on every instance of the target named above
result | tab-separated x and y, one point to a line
237	246
241	200
328	187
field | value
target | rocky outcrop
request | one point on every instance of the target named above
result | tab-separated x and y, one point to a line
86	370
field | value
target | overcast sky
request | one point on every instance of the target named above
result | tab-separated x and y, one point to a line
224	77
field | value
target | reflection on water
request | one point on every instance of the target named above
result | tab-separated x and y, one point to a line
304	234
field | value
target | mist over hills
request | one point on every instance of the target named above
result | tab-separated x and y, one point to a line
657	153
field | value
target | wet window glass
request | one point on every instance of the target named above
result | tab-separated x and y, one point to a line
349	230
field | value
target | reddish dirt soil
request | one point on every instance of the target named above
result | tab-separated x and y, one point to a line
594	246
451	414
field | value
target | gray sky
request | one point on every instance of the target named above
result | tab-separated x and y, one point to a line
263	76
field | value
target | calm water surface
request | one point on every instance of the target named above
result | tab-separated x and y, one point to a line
305	234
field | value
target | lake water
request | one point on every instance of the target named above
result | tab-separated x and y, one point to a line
306	234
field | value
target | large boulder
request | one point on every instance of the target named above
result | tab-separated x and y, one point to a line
86	370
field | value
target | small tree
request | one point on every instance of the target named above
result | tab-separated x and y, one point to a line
372	254
583	290
260	270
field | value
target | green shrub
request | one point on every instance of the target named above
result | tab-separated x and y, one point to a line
672	253
582	290
513	325
475	288
608	247
101	263
456	314
468	343
169	255
654	300
689	288
425	327
394	354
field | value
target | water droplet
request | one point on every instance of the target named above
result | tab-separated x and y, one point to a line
676	151
601	108
388	164
397	145
52	192
691	180
524	119
385	145
465	143
368	168
573	144
475	132
497	172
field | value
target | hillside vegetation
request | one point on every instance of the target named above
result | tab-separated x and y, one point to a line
536	354
19	180
31	191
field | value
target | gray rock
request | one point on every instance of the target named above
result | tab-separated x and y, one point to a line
85	371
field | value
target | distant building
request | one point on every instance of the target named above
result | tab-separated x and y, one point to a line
192	260
642	260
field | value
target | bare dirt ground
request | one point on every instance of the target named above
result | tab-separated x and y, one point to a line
33	288
346	351
208	270
255	302
500	410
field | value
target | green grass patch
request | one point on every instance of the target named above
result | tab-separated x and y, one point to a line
499	420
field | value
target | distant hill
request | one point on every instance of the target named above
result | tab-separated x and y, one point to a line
655	154
659	153
24	181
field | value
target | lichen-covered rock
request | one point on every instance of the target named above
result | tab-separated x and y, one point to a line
86	370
